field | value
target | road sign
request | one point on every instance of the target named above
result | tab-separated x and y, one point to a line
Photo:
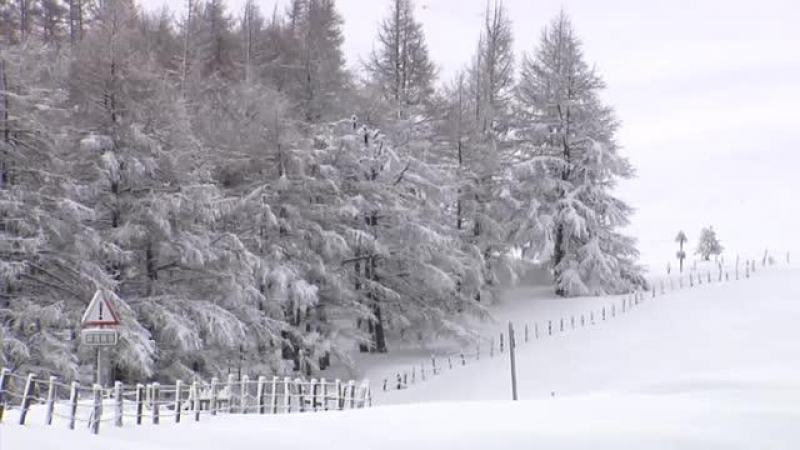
99	336
101	310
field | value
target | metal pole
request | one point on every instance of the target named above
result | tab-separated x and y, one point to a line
511	351
98	375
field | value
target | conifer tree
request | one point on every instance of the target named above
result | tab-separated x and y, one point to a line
569	138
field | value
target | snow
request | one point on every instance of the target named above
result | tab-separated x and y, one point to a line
704	368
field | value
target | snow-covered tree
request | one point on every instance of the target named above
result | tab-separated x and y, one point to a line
400	66
568	138
681	239
708	244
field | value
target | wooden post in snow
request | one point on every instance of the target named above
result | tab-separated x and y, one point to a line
178	389
212	403
25	404
139	403
155	389
260	404
196	401
243	393
5	375
511	352
73	404
51	401
118	406
97	413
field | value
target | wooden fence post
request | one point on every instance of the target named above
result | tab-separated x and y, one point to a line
118	406
413	374
98	408
526	333
243	394
449	363
73	404
5	374
614	310
178	388
298	383
51	401
708	272
583	321
274	396
491	347
591	316
501	343
422	371
212	401
536	330
260	395
433	364
139	403
339	397
312	386
562	324
323	384
196	402
572	322
155	388
463	360
25	404
229	388
287	400
351	386
511	353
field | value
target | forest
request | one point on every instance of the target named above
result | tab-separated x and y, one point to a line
247	195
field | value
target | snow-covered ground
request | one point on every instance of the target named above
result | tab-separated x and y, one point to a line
706	368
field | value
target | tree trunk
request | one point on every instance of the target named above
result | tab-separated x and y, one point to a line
558	256
6	102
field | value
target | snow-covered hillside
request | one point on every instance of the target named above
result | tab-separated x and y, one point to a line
711	367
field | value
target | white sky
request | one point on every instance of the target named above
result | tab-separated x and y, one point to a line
707	91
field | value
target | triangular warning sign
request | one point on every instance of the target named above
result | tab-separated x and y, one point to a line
101	310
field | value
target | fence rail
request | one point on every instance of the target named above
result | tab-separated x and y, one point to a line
155	403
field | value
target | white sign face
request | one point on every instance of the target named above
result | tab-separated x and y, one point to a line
101	310
99	336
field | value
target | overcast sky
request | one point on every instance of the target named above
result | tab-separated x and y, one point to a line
708	92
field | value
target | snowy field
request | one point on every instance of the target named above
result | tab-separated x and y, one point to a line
715	367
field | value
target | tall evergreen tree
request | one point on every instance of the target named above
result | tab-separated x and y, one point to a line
569	137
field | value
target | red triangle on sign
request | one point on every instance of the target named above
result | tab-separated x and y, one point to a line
101	310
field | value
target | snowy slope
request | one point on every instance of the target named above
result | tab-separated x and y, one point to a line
715	335
707	368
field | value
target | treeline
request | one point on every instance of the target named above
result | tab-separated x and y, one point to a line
253	203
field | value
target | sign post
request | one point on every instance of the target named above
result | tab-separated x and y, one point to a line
100	314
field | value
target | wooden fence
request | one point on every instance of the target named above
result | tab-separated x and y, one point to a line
71	404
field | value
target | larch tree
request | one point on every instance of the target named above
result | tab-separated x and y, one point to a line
400	66
708	244
570	137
